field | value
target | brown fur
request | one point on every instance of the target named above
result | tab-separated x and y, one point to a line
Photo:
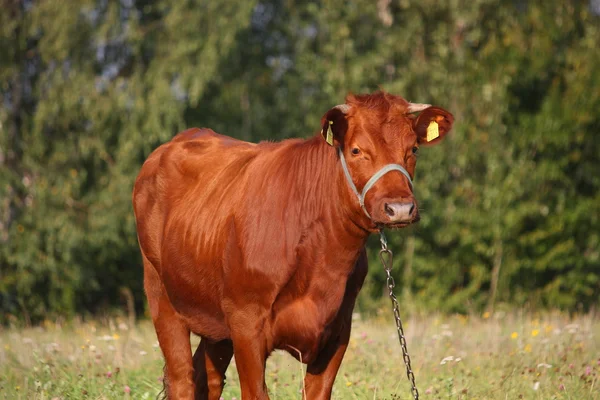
257	247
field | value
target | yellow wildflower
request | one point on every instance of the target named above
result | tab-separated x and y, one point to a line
514	335
486	315
535	332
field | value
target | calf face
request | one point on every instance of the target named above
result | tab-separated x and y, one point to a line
375	131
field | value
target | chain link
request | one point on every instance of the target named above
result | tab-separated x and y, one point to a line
386	256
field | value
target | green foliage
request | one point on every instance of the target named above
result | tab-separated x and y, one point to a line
511	200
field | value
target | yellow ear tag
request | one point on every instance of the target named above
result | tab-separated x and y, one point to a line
433	131
329	138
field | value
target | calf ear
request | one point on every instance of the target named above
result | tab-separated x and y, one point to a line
432	125
334	125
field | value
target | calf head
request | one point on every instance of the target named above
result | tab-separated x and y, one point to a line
378	138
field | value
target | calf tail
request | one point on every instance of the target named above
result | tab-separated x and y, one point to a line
162	395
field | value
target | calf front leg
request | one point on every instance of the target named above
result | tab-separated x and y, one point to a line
321	373
250	351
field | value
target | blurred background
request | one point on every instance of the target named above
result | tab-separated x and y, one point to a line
511	199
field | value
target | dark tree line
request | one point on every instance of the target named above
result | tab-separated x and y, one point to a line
511	200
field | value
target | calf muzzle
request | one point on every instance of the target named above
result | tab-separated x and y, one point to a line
399	211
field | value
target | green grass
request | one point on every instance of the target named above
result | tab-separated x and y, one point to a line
500	357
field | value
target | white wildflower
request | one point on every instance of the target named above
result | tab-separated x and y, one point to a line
447	359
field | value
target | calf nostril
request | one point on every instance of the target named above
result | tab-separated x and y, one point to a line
389	210
412	208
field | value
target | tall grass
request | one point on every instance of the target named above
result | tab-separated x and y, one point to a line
500	356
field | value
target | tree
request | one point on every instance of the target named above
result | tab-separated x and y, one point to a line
510	200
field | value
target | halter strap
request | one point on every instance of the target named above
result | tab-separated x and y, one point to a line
370	182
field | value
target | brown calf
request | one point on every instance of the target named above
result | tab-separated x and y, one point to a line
257	247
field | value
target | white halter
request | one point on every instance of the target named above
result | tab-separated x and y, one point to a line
371	182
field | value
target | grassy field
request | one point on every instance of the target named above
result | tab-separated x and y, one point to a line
495	356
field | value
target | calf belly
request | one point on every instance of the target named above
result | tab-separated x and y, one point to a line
195	291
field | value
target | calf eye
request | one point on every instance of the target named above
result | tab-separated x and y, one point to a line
415	150
355	151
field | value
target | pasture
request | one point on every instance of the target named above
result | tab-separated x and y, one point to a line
499	356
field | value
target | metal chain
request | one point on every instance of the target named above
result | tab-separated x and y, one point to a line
386	256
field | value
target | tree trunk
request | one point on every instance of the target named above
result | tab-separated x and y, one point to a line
499	249
408	266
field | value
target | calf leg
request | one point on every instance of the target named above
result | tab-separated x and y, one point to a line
250	348
321	373
173	337
210	363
